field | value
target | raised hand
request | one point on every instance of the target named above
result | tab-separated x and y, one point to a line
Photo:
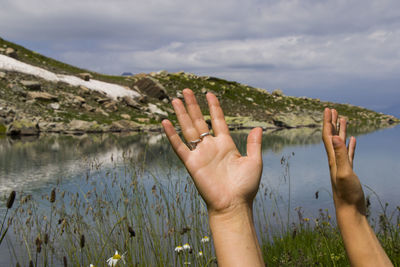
224	178
362	246
346	187
227	181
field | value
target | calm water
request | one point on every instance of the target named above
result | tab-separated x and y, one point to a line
35	165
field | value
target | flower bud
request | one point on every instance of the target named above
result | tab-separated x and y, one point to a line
53	196
10	200
82	241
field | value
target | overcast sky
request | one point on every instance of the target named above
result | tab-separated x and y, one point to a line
346	51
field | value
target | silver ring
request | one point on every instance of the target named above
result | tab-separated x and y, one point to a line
204	135
193	144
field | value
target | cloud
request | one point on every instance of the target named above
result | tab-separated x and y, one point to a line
300	46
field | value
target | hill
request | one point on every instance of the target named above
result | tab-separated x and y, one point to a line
40	94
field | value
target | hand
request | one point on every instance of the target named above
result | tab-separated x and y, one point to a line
346	187
224	178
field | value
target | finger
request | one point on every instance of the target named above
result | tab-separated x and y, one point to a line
189	131
342	128
327	136
195	112
254	140
217	115
179	147
334	121
342	157
351	150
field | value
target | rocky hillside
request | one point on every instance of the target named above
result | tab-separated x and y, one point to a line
45	95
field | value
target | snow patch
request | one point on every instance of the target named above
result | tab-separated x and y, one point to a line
112	90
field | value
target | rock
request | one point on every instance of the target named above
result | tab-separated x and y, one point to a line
143	99
102	112
267	112
53	127
162	73
79	100
130	102
17	89
125	116
179	95
291	120
152	88
2	75
32	85
23	127
88	107
11	52
41	96
143	120
103	100
250	99
156	110
204	90
84	89
140	75
55	106
111	106
124	126
277	92
85	76
79	126
165	100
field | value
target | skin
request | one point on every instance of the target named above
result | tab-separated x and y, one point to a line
361	244
226	180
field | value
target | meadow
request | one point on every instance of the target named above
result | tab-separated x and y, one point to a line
163	222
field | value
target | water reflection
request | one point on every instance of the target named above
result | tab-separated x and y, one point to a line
29	163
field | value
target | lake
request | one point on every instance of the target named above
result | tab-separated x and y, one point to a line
293	159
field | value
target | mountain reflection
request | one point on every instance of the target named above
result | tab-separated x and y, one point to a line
32	162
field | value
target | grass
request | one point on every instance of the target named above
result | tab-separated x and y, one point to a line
131	210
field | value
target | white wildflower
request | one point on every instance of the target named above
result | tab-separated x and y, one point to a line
179	249
114	259
205	239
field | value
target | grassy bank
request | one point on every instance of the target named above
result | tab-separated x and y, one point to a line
131	210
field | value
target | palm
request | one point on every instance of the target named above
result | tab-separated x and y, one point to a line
223	177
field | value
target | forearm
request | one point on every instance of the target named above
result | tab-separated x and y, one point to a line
361	243
235	238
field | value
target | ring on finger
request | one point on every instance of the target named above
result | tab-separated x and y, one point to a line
193	144
204	135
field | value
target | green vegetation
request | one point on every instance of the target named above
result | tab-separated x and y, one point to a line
147	220
257	106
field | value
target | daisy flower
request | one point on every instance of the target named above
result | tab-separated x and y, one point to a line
200	254
205	239
186	246
179	249
114	259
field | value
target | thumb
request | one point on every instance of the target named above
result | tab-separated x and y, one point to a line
254	143
341	156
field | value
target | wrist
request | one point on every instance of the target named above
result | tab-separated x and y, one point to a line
235	237
234	213
350	214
